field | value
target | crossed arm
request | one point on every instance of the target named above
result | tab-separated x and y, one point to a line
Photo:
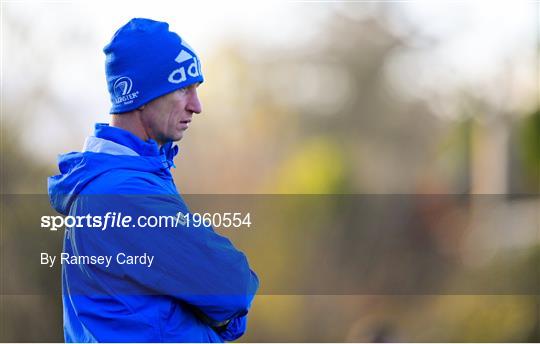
196	266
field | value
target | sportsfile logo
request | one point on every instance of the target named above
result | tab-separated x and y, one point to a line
193	70
122	91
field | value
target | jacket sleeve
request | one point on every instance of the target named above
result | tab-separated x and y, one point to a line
235	329
195	265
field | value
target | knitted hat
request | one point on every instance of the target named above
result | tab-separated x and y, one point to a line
144	61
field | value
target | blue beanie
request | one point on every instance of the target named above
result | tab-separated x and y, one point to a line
144	61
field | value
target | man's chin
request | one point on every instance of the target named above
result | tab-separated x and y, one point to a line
177	135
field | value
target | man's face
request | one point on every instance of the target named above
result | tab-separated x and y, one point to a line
167	117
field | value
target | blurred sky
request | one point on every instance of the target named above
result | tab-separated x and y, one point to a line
58	44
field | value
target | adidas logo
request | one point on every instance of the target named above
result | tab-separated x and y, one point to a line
180	75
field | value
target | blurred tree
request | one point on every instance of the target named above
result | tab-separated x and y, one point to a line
530	149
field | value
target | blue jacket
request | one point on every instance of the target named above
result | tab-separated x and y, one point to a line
199	287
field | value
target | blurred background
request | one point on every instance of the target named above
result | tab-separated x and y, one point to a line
396	142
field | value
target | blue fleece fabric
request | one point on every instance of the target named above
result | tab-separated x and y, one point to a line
198	279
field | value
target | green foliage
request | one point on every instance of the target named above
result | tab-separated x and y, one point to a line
316	167
530	147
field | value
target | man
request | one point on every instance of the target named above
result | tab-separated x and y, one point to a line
182	284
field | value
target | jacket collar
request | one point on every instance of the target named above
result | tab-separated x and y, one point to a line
117	136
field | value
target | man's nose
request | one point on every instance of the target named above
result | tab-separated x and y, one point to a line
194	104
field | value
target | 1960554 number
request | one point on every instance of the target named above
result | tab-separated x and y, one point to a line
218	220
